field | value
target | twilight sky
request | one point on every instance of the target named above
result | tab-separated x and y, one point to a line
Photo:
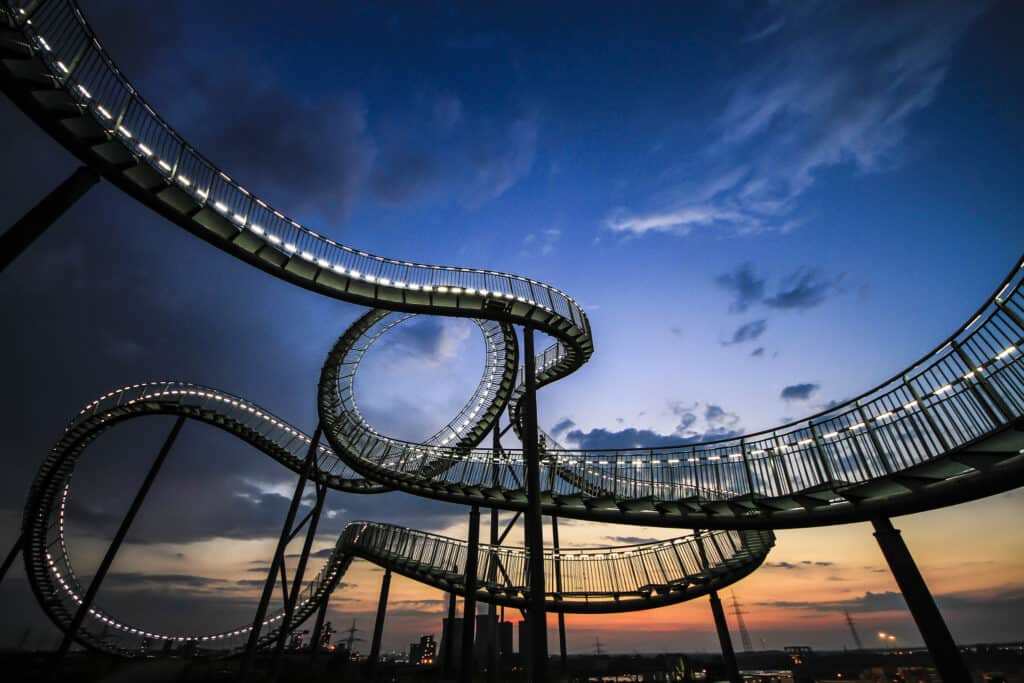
763	209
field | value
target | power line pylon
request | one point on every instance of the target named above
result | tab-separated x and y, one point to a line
748	646
853	630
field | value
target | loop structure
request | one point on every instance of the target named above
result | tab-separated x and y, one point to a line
946	430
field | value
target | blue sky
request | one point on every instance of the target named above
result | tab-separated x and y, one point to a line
744	198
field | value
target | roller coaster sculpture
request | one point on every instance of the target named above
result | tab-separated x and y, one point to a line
946	430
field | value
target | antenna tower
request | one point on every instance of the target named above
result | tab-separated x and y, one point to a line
744	636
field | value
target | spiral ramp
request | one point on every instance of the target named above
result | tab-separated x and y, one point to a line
946	430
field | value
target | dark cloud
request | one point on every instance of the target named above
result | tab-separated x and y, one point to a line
403	176
132	579
563	425
631	540
798	392
747	332
718	423
313	151
802	564
800	290
746	288
758	352
806	288
499	160
1007	601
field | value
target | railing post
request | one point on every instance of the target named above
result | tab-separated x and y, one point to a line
886	465
986	388
41	216
115	544
277	560
746	467
469	602
936	635
533	520
378	625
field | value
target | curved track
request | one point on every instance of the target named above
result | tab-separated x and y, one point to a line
594	580
948	429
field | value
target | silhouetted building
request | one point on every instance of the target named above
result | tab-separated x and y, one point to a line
505	638
455	634
524	639
423	652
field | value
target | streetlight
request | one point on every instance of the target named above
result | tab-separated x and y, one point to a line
887	638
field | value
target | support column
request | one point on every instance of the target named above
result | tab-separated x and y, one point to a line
300	571
378	625
533	520
318	629
937	638
562	655
448	643
9	560
276	563
492	574
41	216
721	625
728	655
122	531
469	603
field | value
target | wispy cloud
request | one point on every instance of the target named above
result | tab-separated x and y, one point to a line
836	84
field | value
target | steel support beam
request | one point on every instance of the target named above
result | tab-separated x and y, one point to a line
721	625
469	602
378	625
492	574
318	629
937	638
41	216
275	563
728	655
300	571
115	544
562	655
534	520
9	560
448	644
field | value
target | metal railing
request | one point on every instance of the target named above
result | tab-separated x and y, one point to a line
588	575
81	66
969	387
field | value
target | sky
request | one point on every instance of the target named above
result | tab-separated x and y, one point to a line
763	208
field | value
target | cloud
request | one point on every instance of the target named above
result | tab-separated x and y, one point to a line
561	426
695	425
403	175
431	340
802	564
747	332
500	160
758	352
833	85
800	290
798	392
805	288
632	540
542	243
745	286
987	603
